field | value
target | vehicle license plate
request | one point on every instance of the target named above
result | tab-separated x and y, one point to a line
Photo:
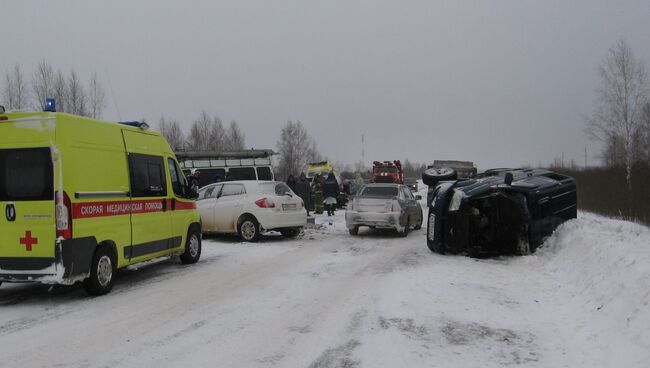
432	226
289	207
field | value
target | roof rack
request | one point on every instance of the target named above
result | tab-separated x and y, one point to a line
215	155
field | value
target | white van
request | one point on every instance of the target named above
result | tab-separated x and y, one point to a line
228	166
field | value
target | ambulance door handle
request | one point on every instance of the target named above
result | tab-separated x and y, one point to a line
173	204
164	205
10	212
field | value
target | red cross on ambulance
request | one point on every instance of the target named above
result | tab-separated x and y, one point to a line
28	241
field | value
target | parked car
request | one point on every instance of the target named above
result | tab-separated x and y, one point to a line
251	208
502	211
412	184
390	206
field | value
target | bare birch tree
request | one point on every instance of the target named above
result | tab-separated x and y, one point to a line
217	138
171	130
621	97
235	140
296	148
199	138
645	133
15	91
76	98
97	99
42	84
60	92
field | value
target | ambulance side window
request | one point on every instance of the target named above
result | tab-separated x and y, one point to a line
147	176
177	181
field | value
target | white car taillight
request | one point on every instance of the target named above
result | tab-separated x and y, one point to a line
265	203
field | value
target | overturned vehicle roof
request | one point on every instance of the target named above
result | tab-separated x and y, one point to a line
499	212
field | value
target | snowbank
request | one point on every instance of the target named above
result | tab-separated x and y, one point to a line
602	268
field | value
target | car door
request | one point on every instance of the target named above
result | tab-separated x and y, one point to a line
27	228
228	205
180	207
411	204
150	219
207	205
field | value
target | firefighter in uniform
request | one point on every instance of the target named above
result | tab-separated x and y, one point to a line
317	186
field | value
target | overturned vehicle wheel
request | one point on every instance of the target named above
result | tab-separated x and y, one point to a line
433	176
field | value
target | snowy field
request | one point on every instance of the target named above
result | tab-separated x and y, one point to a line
328	299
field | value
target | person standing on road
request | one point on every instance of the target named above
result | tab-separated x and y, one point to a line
317	186
291	183
358	183
195	184
331	192
303	190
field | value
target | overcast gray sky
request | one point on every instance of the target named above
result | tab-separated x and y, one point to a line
502	83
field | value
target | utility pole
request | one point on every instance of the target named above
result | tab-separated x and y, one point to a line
363	149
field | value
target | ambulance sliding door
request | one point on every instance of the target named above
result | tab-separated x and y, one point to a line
150	218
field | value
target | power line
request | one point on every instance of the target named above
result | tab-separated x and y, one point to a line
110	86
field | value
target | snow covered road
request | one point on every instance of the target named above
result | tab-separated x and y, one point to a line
328	299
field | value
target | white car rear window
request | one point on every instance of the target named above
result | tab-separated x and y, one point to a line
278	188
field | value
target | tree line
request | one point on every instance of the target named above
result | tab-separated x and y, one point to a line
207	133
71	93
296	148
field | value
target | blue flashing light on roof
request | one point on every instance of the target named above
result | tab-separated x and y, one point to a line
137	124
50	105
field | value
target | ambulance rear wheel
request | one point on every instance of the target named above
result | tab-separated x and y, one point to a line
192	247
102	271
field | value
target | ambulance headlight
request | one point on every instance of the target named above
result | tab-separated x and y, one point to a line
456	200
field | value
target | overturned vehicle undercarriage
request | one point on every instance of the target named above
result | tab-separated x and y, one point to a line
499	212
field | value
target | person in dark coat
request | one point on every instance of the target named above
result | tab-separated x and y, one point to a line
195	183
291	183
303	190
330	192
317	184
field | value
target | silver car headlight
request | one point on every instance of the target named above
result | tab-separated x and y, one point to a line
456	200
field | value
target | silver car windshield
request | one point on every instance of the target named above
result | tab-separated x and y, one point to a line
379	191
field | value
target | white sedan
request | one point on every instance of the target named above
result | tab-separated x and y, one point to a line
251	208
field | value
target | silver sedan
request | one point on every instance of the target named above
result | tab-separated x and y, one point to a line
384	206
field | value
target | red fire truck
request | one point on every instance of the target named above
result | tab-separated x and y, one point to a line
387	172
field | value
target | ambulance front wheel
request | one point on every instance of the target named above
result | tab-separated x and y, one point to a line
102	271
192	247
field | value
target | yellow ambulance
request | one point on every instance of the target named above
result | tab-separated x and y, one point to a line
83	198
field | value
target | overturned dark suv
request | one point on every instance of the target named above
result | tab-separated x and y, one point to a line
498	212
